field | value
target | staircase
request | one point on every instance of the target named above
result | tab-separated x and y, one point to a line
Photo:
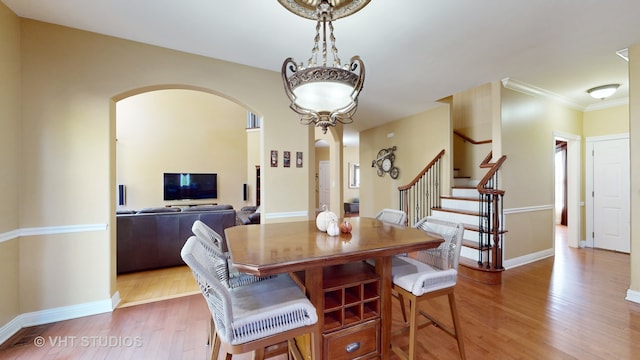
477	204
462	206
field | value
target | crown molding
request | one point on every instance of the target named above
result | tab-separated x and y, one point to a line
529	89
605	104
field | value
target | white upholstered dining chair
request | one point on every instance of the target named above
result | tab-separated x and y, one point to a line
428	274
250	317
216	246
392	216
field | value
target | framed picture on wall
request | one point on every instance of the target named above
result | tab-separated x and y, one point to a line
299	159
286	158
274	158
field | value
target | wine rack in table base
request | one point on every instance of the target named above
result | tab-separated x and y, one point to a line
351	312
351	295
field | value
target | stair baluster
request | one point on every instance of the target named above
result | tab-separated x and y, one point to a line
423	193
491	222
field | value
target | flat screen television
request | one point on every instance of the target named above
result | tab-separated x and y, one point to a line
190	186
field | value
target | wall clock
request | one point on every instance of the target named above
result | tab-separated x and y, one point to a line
384	163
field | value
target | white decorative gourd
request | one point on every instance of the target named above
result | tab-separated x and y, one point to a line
333	229
324	217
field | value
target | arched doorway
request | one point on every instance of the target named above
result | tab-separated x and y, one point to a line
178	129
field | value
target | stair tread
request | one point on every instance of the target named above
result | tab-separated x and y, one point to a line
473	244
473	264
459	198
457	211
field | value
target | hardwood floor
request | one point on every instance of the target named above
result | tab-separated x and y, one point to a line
155	285
568	307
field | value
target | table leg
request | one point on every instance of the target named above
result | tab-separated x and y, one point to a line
313	284
383	269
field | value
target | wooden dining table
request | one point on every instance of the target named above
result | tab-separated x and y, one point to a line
300	248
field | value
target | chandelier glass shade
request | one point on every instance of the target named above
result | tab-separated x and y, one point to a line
323	95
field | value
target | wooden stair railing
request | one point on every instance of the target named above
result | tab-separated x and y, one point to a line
422	193
491	219
470	140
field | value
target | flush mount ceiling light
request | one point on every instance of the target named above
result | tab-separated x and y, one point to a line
604	91
323	95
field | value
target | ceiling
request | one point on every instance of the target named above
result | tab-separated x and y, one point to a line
415	51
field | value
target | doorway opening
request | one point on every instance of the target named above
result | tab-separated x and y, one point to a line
561	183
567	189
154	130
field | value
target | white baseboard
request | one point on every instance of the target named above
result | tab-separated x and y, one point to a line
115	300
281	215
57	314
9	329
529	258
633	296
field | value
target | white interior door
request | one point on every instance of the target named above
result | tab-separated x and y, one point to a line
324	188
611	195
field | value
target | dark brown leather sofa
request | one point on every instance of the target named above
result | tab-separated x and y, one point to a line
249	215
153	238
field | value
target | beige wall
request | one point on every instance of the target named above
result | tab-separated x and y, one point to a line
608	121
634	144
180	131
472	117
528	126
418	140
9	162
70	82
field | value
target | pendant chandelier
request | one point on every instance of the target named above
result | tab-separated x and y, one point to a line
323	94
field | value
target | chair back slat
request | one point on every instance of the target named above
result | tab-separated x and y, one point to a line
203	231
447	255
211	243
392	216
217	295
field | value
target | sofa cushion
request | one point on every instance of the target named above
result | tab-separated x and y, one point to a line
248	215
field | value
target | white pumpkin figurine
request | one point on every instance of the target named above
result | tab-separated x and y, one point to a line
324	217
333	229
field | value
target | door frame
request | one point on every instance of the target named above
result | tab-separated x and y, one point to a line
573	187
589	242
